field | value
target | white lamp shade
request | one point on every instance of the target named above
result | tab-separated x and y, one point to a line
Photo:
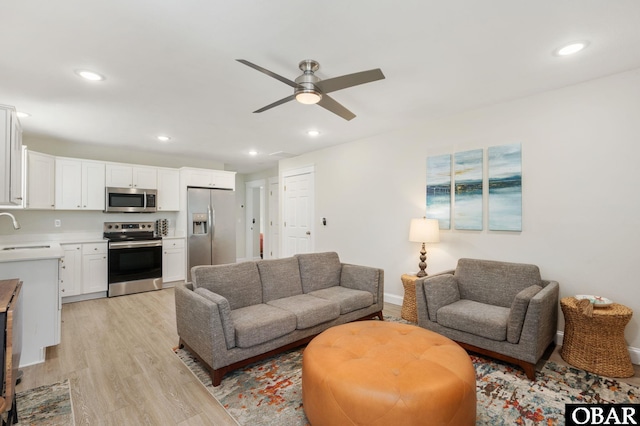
424	230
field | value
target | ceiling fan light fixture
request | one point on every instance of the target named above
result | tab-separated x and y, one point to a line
309	97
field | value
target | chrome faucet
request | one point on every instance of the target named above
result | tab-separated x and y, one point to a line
16	225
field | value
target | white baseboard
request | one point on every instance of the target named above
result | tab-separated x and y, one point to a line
393	299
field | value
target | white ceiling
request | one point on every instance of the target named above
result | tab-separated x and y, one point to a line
170	66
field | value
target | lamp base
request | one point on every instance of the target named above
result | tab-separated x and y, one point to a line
423	262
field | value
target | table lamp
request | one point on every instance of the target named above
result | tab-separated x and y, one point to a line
423	230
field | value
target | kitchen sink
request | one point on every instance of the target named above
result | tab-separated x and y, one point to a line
26	247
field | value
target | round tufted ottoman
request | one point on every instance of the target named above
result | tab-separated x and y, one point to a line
384	373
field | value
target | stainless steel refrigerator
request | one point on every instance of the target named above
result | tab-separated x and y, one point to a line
211	227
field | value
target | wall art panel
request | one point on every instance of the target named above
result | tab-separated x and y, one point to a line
439	189
468	190
505	187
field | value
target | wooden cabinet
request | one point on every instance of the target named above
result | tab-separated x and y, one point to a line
128	176
168	190
204	178
40	181
79	184
94	268
71	270
173	260
10	157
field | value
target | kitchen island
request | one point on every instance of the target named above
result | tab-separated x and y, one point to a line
36	265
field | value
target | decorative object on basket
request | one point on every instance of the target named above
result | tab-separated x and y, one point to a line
423	230
596	301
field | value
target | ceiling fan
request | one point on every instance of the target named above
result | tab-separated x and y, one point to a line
309	89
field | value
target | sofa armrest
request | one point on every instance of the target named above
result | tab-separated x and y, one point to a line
224	310
365	278
518	311
439	290
198	323
541	321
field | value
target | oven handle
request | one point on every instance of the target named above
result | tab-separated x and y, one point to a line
145	199
135	244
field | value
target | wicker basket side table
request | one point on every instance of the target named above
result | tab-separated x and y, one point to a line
409	309
596	343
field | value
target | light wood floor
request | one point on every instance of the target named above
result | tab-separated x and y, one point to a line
117	354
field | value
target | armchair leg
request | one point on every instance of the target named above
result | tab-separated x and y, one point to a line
529	368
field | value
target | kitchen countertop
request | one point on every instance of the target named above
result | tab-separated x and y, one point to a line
18	252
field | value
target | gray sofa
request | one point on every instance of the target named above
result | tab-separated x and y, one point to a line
235	314
500	309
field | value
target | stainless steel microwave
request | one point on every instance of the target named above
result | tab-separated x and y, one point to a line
130	200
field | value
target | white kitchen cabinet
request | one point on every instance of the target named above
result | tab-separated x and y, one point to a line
208	178
94	268
168	190
71	270
40	181
10	157
128	176
173	260
79	184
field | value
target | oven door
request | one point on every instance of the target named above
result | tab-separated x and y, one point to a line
135	260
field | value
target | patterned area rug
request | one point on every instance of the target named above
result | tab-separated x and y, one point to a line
46	405
270	393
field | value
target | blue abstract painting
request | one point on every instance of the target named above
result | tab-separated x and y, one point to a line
468	190
439	189
505	187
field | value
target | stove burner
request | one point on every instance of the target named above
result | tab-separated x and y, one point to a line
129	231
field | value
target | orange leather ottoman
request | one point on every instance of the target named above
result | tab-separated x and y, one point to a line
384	373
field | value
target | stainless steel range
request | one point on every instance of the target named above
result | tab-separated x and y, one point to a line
135	257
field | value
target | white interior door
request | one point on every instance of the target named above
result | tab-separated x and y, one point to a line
298	212
272	243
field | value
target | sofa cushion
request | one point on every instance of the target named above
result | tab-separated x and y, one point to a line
280	278
440	290
260	323
361	278
319	270
476	318
225	315
519	311
348	299
239	283
309	310
493	282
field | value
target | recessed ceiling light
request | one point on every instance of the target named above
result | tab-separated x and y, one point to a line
164	138
90	75
313	133
253	152
21	114
571	48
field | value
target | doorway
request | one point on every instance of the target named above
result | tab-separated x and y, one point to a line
255	218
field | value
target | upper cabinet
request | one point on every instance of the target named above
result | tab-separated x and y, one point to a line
40	181
79	184
128	176
208	178
10	157
168	190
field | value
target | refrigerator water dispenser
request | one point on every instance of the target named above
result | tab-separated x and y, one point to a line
199	221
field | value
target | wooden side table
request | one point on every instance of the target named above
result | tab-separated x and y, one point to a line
409	310
596	343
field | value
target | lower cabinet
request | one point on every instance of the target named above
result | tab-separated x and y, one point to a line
173	260
83	269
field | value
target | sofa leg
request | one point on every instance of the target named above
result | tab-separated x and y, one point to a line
529	370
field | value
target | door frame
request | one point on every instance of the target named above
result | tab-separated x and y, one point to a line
250	187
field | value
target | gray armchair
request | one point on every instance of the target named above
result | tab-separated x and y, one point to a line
499	309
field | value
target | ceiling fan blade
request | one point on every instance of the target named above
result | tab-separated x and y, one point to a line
337	83
276	103
330	104
269	73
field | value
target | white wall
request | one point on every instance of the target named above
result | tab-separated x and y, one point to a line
581	222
